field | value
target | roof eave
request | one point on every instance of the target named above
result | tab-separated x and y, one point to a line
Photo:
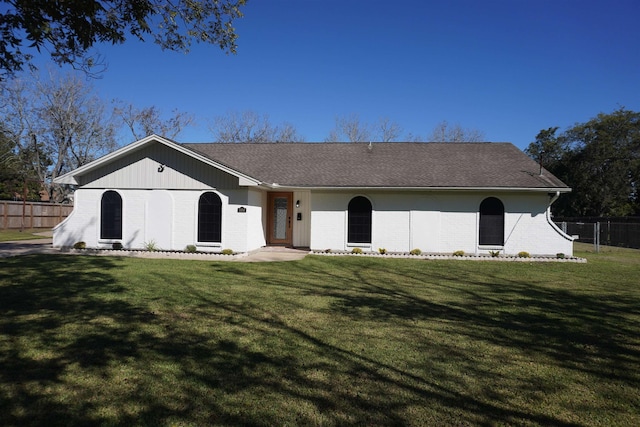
386	188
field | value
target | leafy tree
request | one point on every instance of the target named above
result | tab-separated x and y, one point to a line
605	163
548	149
69	30
599	159
9	179
15	174
249	126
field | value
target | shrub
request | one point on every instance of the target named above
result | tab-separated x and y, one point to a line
327	251
116	245
458	253
151	246
356	251
191	249
79	245
560	255
415	251
382	251
524	254
227	252
494	254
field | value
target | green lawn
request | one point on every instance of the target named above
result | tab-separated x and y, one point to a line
323	341
10	235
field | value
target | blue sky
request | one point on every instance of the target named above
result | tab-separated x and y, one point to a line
506	67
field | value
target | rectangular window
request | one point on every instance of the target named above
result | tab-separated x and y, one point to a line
491	230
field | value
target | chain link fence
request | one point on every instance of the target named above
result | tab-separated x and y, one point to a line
621	232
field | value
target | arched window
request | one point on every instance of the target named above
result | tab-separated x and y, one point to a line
210	218
491	222
359	227
111	215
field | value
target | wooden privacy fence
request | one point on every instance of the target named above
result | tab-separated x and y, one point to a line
17	215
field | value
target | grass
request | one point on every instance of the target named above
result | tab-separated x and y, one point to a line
12	235
323	341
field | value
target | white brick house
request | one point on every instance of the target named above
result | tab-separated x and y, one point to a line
438	197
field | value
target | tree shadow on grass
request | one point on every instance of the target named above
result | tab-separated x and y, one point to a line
363	390
562	324
78	346
43	298
590	333
77	349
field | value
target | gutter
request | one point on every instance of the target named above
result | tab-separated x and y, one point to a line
555	190
554	198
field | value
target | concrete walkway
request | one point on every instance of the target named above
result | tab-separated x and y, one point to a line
44	246
26	247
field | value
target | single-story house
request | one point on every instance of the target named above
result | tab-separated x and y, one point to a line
437	197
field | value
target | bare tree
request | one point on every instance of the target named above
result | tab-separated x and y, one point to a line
388	131
287	132
414	138
249	126
444	132
351	129
146	121
57	124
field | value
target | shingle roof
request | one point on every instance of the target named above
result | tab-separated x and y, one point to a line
415	165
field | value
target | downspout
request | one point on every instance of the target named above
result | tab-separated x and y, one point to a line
553	224
551	201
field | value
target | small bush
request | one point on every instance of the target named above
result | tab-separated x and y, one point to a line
524	254
560	255
494	254
227	252
356	251
458	253
79	245
116	245
382	251
415	251
191	249
151	246
327	251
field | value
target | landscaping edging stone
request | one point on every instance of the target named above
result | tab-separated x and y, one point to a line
458	258
135	253
152	254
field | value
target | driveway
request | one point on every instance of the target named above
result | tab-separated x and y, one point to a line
25	247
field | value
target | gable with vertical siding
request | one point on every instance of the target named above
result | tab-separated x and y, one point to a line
157	166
